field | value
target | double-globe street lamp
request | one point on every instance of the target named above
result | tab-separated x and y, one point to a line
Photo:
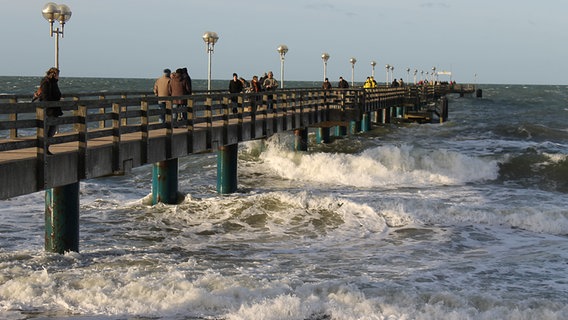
282	49
352	61
210	39
53	12
373	64
324	58
434	75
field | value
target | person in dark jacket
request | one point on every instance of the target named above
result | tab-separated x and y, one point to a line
343	83
49	91
235	86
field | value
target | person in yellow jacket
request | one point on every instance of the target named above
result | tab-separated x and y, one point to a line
369	83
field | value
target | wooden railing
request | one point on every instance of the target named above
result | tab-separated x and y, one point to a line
96	115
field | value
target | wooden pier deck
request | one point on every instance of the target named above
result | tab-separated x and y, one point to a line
102	134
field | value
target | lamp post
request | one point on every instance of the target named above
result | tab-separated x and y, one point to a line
52	12
434	75
407	74
324	58
387	67
282	49
353	61
210	39
392	72
415	72
373	64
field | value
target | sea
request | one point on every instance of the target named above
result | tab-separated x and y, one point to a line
467	219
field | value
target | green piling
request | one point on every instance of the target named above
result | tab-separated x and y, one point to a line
301	139
165	182
354	127
227	168
323	135
340	131
366	122
62	219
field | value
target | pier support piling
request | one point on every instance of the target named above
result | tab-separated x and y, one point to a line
227	168
165	182
366	122
340	131
323	135
62	218
354	126
301	139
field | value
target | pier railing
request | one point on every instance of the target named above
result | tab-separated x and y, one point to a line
107	133
138	112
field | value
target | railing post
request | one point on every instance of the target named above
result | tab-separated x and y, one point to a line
190	124
13	117
209	121
102	111
240	112
82	130
41	149
169	128
117	121
124	121
144	123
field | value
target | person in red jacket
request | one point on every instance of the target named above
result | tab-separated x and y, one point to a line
179	86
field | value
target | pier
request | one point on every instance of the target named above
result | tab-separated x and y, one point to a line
102	134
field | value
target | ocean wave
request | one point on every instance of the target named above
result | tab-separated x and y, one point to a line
535	169
383	166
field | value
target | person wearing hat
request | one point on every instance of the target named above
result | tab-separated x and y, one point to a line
162	89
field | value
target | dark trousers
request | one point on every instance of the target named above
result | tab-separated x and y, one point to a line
162	116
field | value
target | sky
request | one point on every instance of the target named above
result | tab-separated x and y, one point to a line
483	41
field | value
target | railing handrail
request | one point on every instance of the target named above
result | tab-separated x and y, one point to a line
95	110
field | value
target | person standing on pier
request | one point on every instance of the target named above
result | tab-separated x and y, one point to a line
162	89
178	86
235	86
49	91
186	79
255	88
270	84
326	84
343	84
369	84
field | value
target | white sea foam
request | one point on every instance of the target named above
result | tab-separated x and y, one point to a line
385	166
404	229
